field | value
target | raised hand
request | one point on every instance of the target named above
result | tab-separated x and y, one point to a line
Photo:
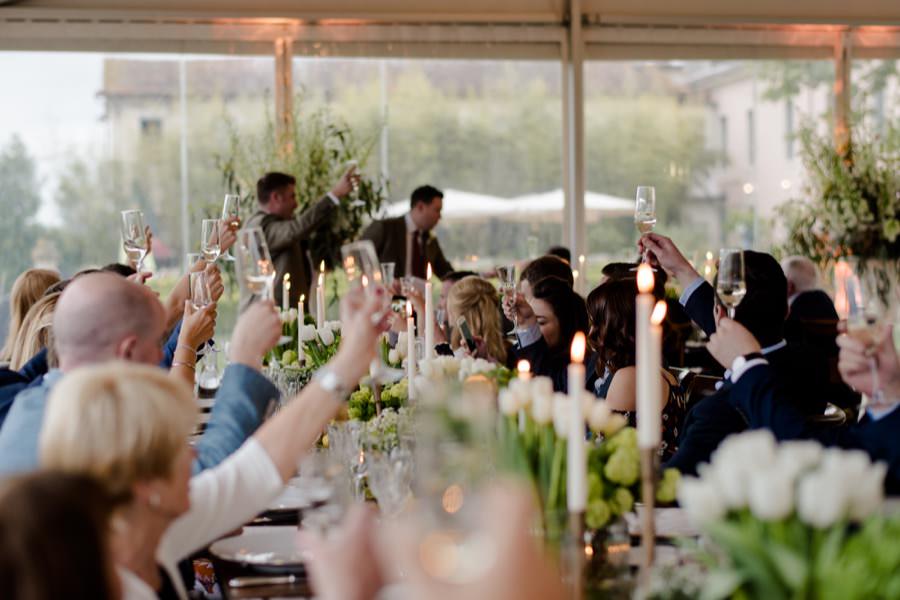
214	281
346	183
360	330
731	340
198	325
666	254
256	332
855	365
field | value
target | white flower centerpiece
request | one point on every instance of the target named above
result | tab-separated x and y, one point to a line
782	517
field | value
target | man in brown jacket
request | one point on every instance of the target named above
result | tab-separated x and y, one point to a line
287	234
407	241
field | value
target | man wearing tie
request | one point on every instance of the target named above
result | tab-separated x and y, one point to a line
407	241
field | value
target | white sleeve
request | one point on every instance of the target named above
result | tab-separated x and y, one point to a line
689	290
223	499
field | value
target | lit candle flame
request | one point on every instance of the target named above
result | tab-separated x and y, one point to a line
322	266
365	281
575	274
302	298
524	368
659	312
578	347
408	308
645	278
428	273
581	259
321	279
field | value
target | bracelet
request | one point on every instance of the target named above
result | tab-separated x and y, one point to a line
184	364
186	347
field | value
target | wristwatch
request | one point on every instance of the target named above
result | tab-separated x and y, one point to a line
332	383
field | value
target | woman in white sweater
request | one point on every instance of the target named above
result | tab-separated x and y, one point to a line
128	426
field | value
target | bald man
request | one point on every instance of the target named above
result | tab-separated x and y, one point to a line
102	317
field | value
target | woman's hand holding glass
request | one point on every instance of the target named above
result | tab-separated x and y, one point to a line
199	324
363	321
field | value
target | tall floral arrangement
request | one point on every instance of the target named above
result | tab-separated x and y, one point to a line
851	203
316	149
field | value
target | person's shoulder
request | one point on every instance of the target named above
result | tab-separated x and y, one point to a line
260	219
814	304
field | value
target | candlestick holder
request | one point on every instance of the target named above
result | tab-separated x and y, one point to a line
649	468
573	556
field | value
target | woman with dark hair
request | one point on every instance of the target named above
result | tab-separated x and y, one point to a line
54	539
559	313
611	308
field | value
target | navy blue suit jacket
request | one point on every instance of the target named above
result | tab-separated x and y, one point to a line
699	307
760	402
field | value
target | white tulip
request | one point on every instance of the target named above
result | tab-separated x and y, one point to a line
561	415
700	500
736	458
335	326
771	494
326	335
614	423
509	403
542	386
796	457
587	403
522	390
542	409
598	416
867	495
393	356
821	499
427	369
307	333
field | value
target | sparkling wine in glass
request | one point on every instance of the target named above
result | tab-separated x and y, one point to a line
507	276
134	237
231	216
362	267
866	320
209	240
731	283
645	209
255	266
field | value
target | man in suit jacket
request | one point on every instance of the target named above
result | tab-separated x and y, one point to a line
802	373
102	317
287	233
408	241
763	404
812	318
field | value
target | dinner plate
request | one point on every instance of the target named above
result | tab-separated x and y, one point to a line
266	549
292	498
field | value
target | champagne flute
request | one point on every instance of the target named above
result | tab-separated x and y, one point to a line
866	322
201	297
731	283
255	266
363	268
134	237
507	276
387	274
644	212
231	216
209	240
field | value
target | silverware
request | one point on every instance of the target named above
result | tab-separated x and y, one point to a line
240	582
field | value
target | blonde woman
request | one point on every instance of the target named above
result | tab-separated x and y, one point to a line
478	302
35	333
28	287
128	426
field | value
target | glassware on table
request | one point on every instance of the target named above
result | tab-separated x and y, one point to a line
362	267
507	276
255	266
390	478
209	240
407	284
231	216
731	283
645	211
323	482
134	237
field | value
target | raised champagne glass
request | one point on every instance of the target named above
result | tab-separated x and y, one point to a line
867	317
231	216
363	268
507	277
645	211
209	240
255	266
731	283
134	237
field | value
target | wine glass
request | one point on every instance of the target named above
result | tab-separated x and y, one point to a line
387	273
363	268
645	211
191	259
255	266
231	216
134	237
209	240
867	320
731	283
507	276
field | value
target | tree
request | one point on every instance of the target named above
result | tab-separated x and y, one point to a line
20	201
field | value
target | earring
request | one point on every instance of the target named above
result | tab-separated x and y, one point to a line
154	500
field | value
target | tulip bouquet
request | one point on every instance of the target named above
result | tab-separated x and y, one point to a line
361	405
793	520
448	368
534	427
320	344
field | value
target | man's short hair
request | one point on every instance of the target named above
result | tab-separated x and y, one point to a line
764	308
272	182
119	269
547	266
802	272
425	195
562	252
